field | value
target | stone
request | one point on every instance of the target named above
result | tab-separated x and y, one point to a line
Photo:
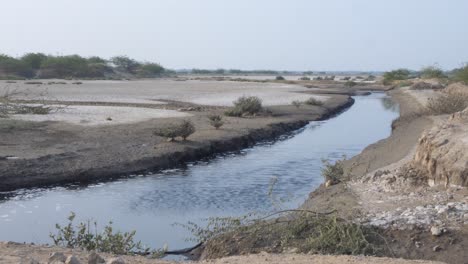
94	258
436	248
117	260
436	231
72	260
57	257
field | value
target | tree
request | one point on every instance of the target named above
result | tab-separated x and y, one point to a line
126	64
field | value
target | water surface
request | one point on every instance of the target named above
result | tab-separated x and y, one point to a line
230	184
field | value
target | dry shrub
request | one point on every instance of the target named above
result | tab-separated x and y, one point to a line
246	106
216	121
448	103
313	101
296	103
172	131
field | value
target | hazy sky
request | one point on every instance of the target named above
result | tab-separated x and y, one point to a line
246	34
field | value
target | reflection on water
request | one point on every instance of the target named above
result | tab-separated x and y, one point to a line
229	184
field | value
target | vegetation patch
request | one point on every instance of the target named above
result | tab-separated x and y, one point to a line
279	78
87	236
432	72
216	121
183	129
313	101
395	75
246	106
333	172
297	103
447	103
301	230
461	74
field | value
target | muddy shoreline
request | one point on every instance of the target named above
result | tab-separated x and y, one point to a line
56	169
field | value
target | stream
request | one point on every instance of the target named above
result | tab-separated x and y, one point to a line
225	185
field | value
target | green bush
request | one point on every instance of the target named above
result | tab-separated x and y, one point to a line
313	101
304	78
246	105
350	84
461	74
432	72
216	121
333	172
86	236
391	76
279	78
150	70
172	131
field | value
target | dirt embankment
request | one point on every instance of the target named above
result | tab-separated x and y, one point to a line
11	253
55	152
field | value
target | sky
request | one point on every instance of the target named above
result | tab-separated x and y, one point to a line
312	35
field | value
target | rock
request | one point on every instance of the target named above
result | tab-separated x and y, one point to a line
94	258
418	244
72	260
57	257
436	248
118	260
436	231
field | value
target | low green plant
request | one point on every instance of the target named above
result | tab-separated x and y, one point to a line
304	78
313	101
297	103
279	78
461	74
395	75
432	72
183	129
333	172
87	236
216	121
350	84
245	105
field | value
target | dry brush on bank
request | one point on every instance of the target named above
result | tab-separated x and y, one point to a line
182	129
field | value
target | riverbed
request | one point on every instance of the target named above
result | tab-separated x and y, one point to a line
225	185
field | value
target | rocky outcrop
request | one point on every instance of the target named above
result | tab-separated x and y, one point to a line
442	152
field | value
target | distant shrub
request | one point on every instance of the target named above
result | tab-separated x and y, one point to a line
461	74
448	103
77	83
350	84
150	70
86	236
279	78
33	82
304	78
432	72
297	103
347	78
172	131
216	121
246	105
313	101
391	76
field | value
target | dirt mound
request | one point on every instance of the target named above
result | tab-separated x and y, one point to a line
441	152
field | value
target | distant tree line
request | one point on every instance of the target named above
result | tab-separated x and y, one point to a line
39	65
429	72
